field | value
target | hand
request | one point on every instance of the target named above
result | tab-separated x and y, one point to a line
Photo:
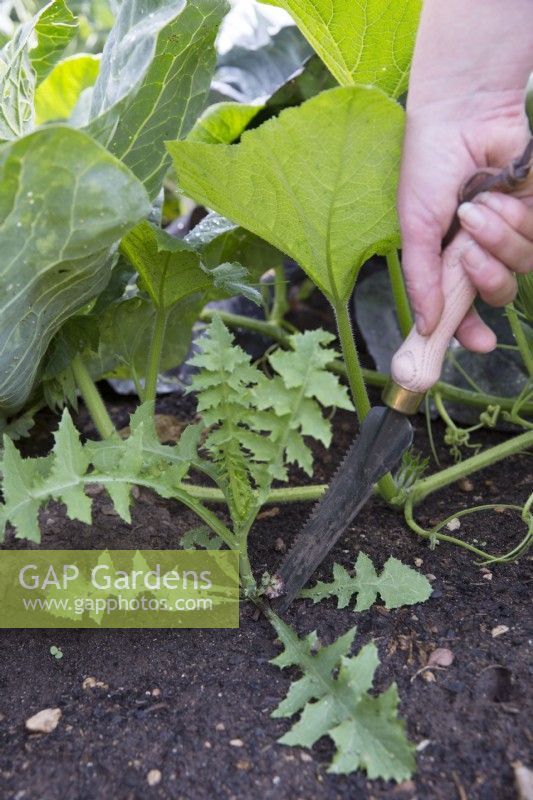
465	111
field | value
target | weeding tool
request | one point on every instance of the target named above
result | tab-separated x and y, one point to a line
386	433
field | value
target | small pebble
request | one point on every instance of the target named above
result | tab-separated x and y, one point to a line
236	743
91	683
499	630
154	777
44	721
441	657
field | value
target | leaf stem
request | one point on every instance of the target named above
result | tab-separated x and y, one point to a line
92	399
439	480
387	487
280	304
520	337
296	494
401	301
264	327
154	355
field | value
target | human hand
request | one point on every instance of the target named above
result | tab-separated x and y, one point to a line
462	115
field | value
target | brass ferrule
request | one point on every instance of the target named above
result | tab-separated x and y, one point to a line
400	399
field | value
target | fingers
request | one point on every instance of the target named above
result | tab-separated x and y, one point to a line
493	281
422	273
475	335
503	227
426	204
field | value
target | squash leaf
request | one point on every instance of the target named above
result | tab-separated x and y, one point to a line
368	42
318	182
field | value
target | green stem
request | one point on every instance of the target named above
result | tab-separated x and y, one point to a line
520	338
280	304
441	537
154	355
91	397
264	327
387	487
351	360
401	301
439	480
297	494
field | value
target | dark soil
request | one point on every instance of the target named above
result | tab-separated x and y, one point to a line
174	700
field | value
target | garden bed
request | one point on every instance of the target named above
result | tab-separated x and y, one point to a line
196	704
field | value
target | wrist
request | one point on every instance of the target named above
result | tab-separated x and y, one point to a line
466	50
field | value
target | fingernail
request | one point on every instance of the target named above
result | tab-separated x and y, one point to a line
490	200
471	215
469	252
420	322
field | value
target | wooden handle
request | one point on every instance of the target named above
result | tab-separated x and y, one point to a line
418	363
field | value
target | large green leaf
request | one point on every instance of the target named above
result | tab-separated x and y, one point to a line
171	269
21	66
368	42
318	182
58	94
59	219
252	73
154	77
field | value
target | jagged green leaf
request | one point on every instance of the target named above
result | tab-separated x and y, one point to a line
58	94
154	78
368	42
258	423
398	585
333	698
307	372
69	463
30	484
59	221
19	479
201	538
323	193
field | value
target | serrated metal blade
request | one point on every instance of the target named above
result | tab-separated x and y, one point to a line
384	436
